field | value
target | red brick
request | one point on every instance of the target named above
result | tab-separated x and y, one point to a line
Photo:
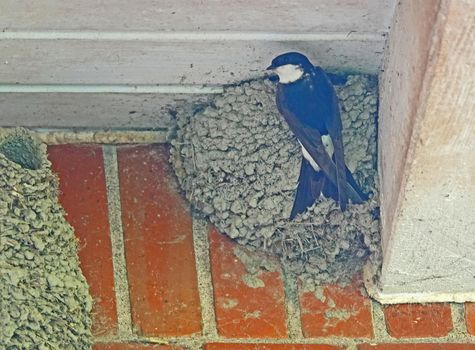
122	346
83	195
340	311
158	245
242	310
224	346
418	320
470	317
425	346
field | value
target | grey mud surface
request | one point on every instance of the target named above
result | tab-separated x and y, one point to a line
238	164
44	298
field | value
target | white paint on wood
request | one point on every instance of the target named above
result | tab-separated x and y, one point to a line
104	88
431	249
196	15
428	296
406	57
156	46
190	36
130	62
90	111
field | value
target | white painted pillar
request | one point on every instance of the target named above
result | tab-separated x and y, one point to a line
427	154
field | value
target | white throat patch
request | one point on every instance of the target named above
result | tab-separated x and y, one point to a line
289	73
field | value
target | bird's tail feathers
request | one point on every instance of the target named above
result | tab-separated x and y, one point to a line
350	187
352	182
329	190
341	182
313	183
308	189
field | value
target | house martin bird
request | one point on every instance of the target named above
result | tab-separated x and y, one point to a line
308	102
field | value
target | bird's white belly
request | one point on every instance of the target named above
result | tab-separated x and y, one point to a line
327	142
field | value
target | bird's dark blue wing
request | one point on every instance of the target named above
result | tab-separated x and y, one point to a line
328	109
330	112
309	187
311	139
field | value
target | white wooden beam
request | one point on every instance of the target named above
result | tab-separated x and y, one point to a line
156	62
400	83
201	36
90	111
430	227
55	56
304	16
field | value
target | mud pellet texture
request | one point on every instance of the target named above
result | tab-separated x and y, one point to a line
238	163
44	299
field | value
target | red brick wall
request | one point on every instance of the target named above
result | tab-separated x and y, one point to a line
169	303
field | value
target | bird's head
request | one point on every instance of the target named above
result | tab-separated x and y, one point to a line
290	66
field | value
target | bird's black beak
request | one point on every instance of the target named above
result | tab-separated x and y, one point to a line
270	68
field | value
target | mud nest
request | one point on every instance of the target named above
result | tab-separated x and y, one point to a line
44	299
238	164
